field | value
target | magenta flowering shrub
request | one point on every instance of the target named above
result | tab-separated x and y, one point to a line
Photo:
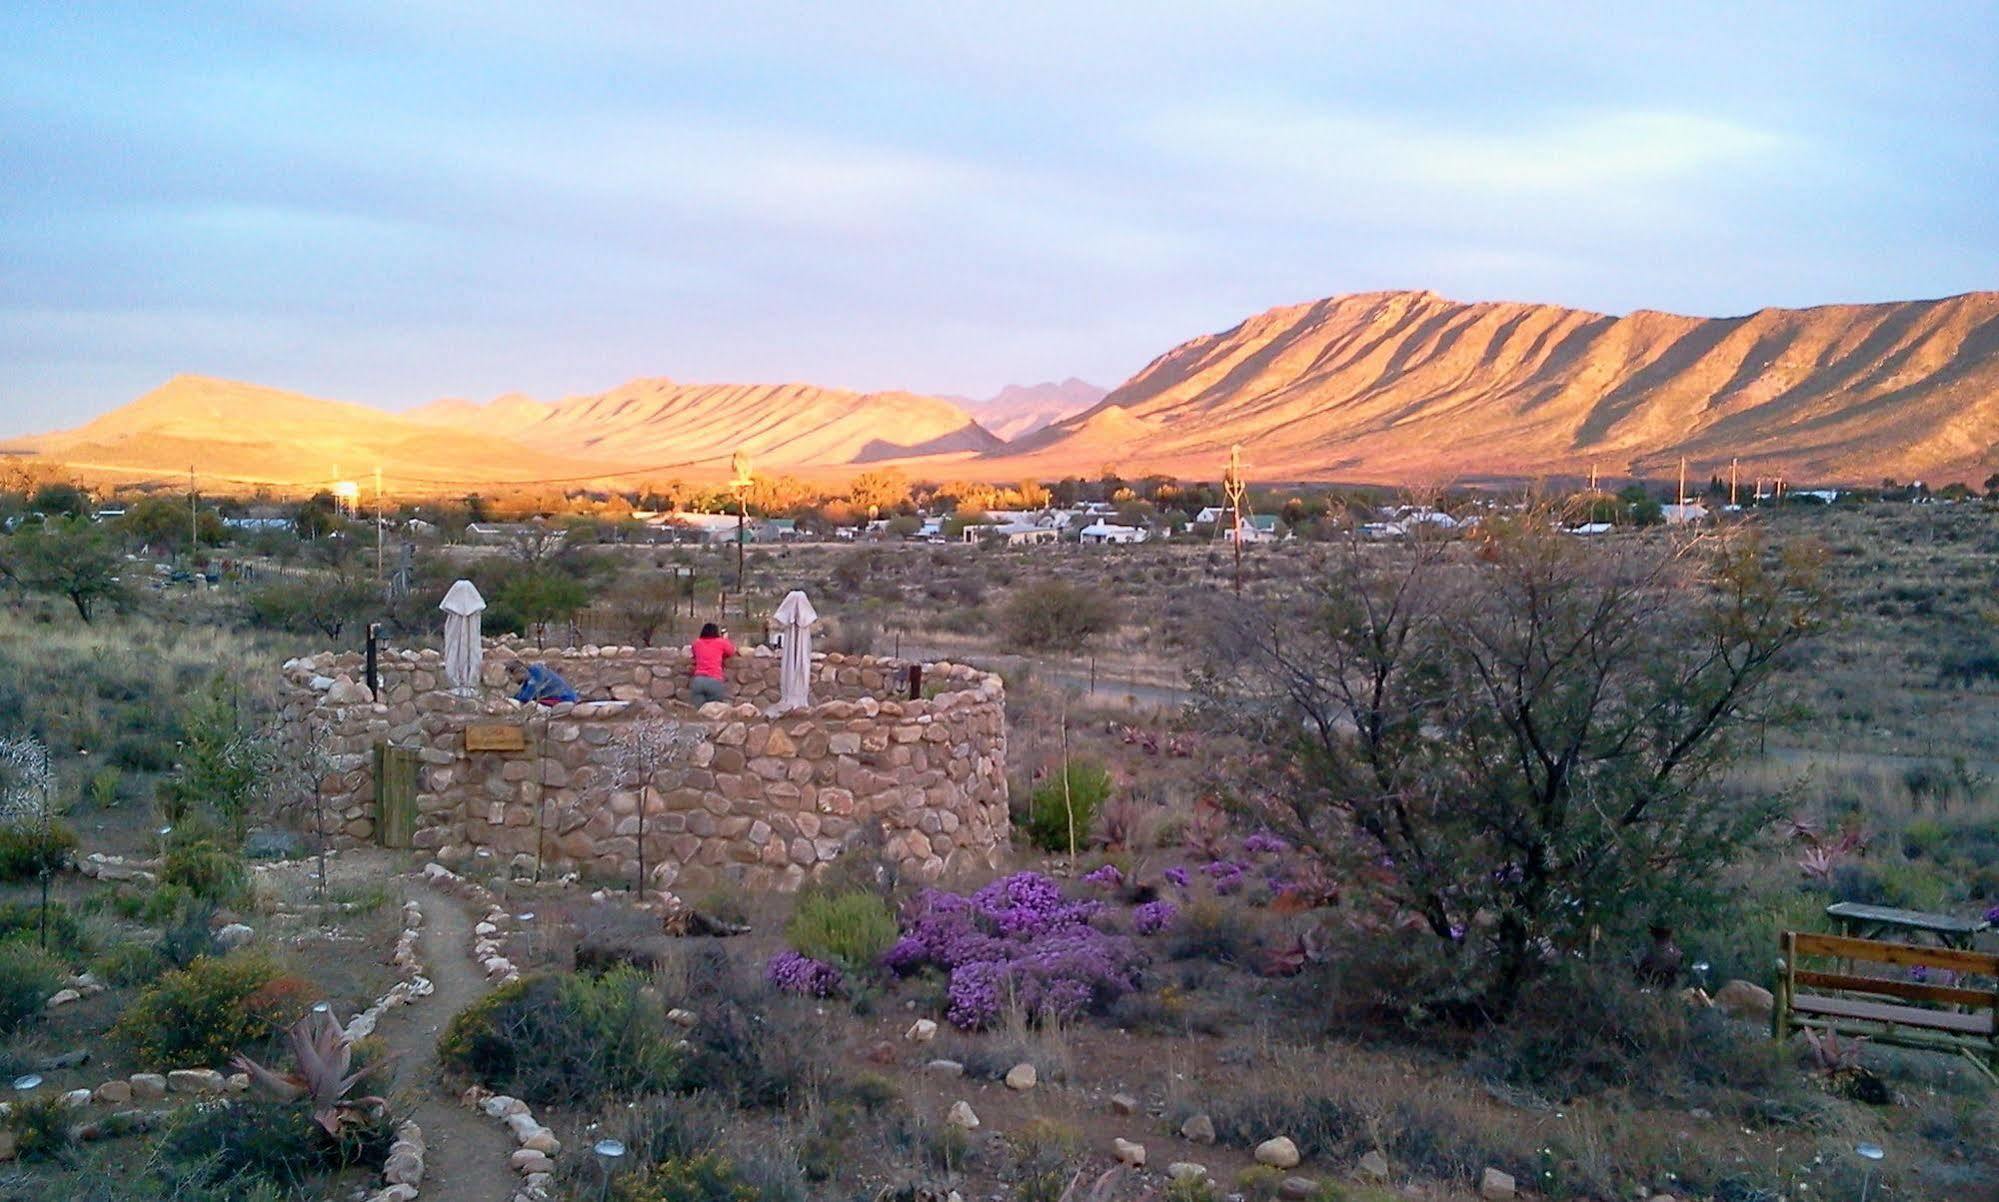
1017	938
1107	876
794	973
1154	916
1263	843
1227	875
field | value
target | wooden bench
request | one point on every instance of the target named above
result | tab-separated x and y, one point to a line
1889	1009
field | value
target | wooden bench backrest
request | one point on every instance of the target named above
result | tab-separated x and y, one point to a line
1800	944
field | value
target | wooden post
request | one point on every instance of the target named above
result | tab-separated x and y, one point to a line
374	678
916	682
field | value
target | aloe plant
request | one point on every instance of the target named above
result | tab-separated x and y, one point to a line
323	1054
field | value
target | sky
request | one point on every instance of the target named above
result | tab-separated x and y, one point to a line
390	203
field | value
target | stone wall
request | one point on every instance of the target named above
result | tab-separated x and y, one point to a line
763	799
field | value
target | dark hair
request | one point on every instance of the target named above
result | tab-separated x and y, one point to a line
711	631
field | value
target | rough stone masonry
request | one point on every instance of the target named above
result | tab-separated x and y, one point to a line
763	799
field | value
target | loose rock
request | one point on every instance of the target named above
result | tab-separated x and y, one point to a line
1199	1129
1278	1153
923	1030
1187	1170
148	1087
1496	1186
1128	1153
961	1115
1123	1103
1744	1000
944	1068
1297	1189
234	935
1372	1167
1021	1077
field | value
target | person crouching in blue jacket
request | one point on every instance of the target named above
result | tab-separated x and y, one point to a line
539	683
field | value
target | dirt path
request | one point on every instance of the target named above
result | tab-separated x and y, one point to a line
465	1158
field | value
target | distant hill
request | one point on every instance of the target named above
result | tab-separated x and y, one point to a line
1022	409
1409	387
1388	387
264	436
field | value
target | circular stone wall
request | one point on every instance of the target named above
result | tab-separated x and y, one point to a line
764	799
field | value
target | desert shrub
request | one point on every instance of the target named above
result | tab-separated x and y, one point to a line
1211	929
703	1178
208	1011
758	1057
28	975
1055	613
23	920
249	1142
852	929
127	963
41	1127
205	869
1055	813
190	931
1592	1030
28	848
563	1039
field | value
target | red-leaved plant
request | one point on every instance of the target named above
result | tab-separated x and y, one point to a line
323	1054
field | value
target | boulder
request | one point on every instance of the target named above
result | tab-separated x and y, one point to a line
1021	1077
63	997
1745	1000
1199	1129
923	1030
234	935
1128	1153
1123	1103
1297	1189
944	1068
115	1093
1495	1186
525	1161
962	1116
1278	1153
148	1087
194	1080
1372	1167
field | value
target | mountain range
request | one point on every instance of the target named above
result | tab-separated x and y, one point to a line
1383	387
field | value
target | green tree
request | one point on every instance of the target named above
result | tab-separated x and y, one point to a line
538	597
61	499
1518	747
67	557
162	523
1055	613
308	605
881	490
225	764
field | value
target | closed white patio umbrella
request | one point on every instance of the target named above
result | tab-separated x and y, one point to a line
795	617
462	653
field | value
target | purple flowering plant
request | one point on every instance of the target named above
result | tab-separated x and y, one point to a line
1154	916
1107	876
791	972
1017	938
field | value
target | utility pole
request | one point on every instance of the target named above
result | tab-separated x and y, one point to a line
1733	464
378	525
1682	498
1592	477
193	519
1232	485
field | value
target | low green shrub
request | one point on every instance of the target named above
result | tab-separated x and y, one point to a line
190	931
703	1178
250	1142
206	870
562	1039
1051	807
27	848
28	975
42	1127
210	1010
127	963
23	920
853	930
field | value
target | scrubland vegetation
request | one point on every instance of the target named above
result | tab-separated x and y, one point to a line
1417	931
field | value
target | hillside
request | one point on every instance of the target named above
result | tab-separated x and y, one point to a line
1018	410
1409	386
697	427
246	433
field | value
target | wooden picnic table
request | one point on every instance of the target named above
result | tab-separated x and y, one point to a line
1874	922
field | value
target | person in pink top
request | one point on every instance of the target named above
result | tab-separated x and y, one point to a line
711	651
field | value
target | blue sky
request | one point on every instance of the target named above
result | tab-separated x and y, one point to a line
390	203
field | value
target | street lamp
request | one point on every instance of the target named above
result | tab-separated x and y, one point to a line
609	1153
1872	1154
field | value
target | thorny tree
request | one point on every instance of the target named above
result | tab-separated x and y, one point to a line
650	746
28	800
1516	736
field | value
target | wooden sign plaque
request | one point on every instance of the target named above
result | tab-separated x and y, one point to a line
496	737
